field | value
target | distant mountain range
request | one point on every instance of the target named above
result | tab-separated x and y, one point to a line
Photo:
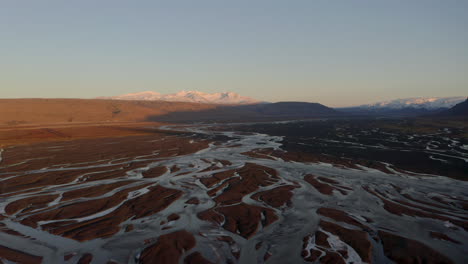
226	98
406	107
417	102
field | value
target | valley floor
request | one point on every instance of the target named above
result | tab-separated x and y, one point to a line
156	193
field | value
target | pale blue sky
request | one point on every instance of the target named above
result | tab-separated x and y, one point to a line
337	53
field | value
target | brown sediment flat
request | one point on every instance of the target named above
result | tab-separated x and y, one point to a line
21	135
173	217
252	176
409	197
30	203
326	185
311	255
81	209
357	239
193	200
327	180
430	210
299	156
217	178
339	216
79	156
95	151
441	236
276	197
174	168
211	168
18	256
168	248
218	190
93	191
224	162
404	250
398	209
239	217
463	204
196	258
321	239
242	219
7	230
41	179
321	187
68	256
157	199
332	258
85	259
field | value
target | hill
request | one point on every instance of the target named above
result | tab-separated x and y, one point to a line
257	112
46	111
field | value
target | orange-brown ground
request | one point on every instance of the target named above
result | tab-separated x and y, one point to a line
47	111
39	133
169	248
19	257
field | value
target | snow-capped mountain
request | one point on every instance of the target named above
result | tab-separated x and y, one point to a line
188	96
429	103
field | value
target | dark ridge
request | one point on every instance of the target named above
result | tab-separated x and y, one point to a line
256	112
459	110
390	112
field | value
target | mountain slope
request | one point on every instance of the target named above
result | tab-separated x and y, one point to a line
256	112
459	110
228	98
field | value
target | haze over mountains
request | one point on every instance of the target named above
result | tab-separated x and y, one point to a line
417	102
416	106
229	98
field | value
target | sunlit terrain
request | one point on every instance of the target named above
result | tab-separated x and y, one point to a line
209	194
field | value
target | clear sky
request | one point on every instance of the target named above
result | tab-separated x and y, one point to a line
338	53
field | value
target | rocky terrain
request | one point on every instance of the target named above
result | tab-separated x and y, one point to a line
216	194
